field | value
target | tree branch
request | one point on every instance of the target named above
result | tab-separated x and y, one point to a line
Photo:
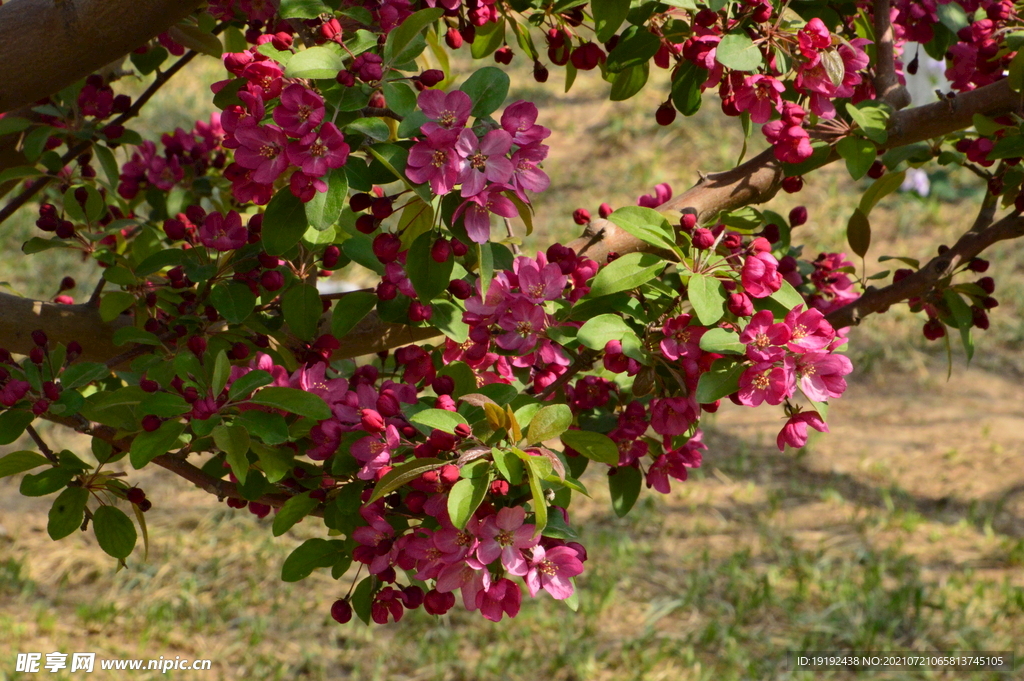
973	242
887	85
46	45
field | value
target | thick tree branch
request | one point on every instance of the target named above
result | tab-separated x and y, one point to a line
45	45
887	85
973	242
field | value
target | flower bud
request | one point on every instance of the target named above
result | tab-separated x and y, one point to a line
458	248
876	170
503	55
39	337
443	385
331	256
360	202
665	114
441	250
272	280
792	184
934	329
604	210
987	284
703	239
431	77
581	216
341	611
771	233
386	290
978	265
437	603
740	305
798	216
149	385
386	247
420	312
150	423
366	224
460	288
371	421
453	38
197	344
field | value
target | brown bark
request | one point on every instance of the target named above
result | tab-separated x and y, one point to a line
45	45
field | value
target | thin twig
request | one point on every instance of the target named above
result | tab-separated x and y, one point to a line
94	299
508	228
341	294
43	447
583	361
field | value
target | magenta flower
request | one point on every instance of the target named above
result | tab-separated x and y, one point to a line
760	276
504	535
551	570
484	160
811	331
373	453
766	382
681	339
821	374
262	150
674	415
477	211
459	575
813	38
526	172
430	560
265	78
523	321
223	232
539	282
760	95
794	433
300	110
435	160
446	111
318	153
501	597
520	120
674	463
765	340
456	544
314	380
13	392
662	193
792	143
326	437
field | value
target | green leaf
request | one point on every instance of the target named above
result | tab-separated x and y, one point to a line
164	405
485	258
302	308
271	428
220	374
608	16
401	37
489	38
67	513
249	382
45	482
294	510
114	303
873	118
21	461
448	320
737	51
13	423
284	221
196	39
130	334
952	16
488	88
880	188
963	318
233	301
234	441
277	462
647	225
549	423
1014	74
596	332
628	272
464	498
858	232
13	124
636	46
509	465
625	489
1010	146
405	473
417	218
595	446
115	532
301	9
721	381
83	373
707	295
787	296
310	555
294	401
351	310
537	468
147	446
324	209
429	277
686	93
858	153
722	341
362	599
440	419
321	61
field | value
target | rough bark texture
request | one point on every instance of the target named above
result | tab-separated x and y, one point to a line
46	45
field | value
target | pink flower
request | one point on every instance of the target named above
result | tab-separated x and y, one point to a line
811	331
765	339
13	392
262	150
300	110
674	415
674	463
760	276
484	160
662	193
373	453
794	433
765	382
501	597
223	232
519	120
436	160
681	339
526	173
760	95
539	282
813	38
265	78
446	111
318	153
552	570
523	321
477	211
821	374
